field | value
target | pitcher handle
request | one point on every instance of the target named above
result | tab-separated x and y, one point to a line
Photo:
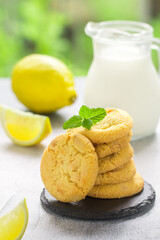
156	46
91	28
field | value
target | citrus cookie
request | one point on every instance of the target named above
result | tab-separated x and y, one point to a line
115	125
126	189
115	160
69	167
105	149
121	174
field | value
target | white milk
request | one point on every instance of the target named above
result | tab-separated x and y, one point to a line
125	79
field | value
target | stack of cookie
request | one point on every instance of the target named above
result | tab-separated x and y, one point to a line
117	175
96	162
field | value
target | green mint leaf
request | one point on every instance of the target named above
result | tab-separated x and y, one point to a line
86	118
73	122
84	112
97	114
87	123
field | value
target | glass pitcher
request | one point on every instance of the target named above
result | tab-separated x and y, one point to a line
122	74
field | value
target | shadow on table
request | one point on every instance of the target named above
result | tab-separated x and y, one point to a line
141	145
31	151
56	119
88	229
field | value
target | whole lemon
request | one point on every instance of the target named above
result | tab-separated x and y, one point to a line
43	83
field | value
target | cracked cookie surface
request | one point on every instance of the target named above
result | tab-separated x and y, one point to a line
126	189
69	167
119	175
115	160
115	125
105	149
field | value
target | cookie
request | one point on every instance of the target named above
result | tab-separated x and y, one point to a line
121	174
105	149
115	125
115	160
121	190
69	167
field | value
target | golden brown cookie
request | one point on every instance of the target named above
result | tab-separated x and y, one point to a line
69	167
105	149
115	160
115	125
126	189
119	175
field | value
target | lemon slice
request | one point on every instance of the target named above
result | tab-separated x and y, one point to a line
13	224
23	128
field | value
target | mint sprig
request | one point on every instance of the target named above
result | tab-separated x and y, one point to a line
87	118
73	122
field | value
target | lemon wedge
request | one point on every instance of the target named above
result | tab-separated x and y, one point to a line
24	128
13	224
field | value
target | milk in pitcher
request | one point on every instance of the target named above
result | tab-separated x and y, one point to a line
122	75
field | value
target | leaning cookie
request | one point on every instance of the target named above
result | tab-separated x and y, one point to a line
69	167
115	160
115	125
122	174
105	149
121	190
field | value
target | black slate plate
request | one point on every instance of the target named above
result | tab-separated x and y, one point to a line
101	209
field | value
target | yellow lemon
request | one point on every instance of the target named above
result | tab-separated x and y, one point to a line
43	83
23	128
13	224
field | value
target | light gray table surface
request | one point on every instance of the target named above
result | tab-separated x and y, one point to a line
20	172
